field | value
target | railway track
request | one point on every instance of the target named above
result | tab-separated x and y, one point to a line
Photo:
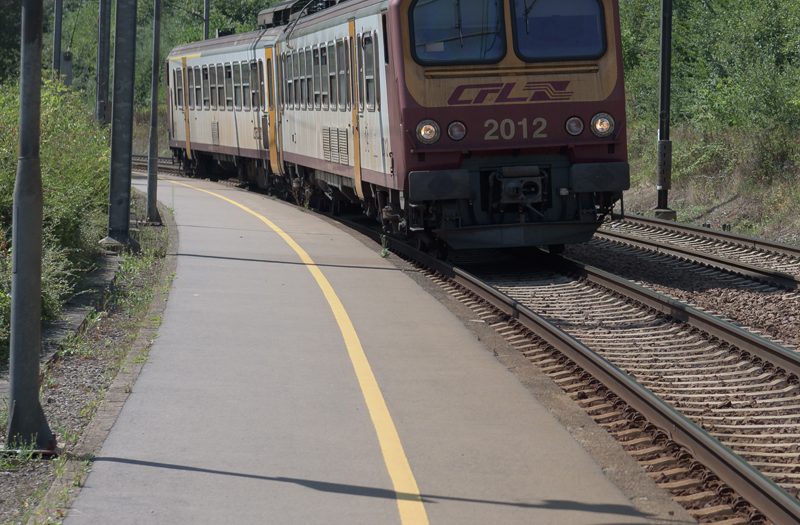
709	409
165	164
769	262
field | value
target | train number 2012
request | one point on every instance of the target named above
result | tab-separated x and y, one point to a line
508	129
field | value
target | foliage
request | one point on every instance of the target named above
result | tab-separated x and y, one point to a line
735	102
10	13
74	163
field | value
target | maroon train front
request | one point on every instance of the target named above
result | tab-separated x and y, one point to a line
480	124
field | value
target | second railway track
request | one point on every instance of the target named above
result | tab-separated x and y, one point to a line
709	386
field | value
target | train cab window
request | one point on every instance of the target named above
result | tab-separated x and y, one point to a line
456	32
324	77
369	72
228	86
206	91
246	85
198	88
220	87
317	80
237	86
332	74
212	85
179	88
309	75
558	30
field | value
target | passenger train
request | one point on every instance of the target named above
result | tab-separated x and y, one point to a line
470	123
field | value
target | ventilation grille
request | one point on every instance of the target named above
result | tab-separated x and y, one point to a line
335	147
215	133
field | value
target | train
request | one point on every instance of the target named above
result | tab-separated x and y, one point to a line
464	124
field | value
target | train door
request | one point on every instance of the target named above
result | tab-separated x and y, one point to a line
185	72
355	112
368	93
273	118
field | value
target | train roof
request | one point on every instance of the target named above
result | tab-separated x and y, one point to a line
229	43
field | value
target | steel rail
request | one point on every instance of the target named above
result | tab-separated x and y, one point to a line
761	492
780	279
727	237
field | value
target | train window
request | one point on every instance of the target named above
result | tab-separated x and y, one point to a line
447	32
341	64
303	82
206	94
255	97
360	71
261	93
348	51
179	87
317	80
558	30
369	71
309	86
220	87
198	88
237	86
190	76
385	39
332	73
325	79
212	83
270	82
289	63
246	85
297	90
228	86
378	70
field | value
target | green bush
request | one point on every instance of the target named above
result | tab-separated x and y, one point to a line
74	159
735	102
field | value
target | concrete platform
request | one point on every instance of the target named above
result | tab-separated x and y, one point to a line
249	409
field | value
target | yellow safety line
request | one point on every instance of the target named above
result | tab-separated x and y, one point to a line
409	502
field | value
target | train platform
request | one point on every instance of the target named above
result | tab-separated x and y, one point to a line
300	378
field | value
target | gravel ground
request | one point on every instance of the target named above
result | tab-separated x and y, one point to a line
773	312
75	381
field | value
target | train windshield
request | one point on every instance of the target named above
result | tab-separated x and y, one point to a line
457	31
558	29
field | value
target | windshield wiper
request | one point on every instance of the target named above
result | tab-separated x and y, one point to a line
528	8
459	23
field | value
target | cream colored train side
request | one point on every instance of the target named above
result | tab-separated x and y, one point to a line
298	103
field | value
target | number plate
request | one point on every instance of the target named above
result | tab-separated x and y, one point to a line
509	129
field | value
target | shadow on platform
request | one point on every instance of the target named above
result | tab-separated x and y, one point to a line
374	492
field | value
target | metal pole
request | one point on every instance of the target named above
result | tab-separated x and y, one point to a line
206	13
102	111
664	168
152	161
122	124
59	14
27	423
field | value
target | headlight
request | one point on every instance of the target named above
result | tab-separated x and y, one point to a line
574	126
602	125
457	130
428	131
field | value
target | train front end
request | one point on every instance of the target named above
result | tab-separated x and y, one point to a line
513	118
